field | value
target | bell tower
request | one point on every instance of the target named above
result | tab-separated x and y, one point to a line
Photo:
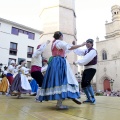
58	15
115	12
113	28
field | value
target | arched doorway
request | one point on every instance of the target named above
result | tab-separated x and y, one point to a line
106	85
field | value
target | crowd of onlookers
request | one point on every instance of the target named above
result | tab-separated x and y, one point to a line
108	93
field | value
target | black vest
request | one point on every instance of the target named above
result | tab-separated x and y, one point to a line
94	60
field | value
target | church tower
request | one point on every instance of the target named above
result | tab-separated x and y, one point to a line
58	15
107	76
115	13
113	28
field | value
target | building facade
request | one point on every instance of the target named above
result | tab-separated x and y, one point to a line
108	69
17	42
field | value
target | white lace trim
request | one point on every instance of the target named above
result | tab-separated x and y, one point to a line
59	90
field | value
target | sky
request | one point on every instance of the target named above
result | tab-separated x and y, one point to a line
90	20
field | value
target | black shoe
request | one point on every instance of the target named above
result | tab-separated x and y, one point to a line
34	94
87	101
77	101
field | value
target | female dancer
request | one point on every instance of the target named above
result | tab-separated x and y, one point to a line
11	71
4	85
59	82
20	83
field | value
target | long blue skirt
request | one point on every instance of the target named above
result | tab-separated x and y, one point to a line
55	84
34	85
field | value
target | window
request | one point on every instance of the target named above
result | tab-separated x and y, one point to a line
13	48
30	52
104	55
19	59
16	31
10	59
31	35
28	64
21	31
25	32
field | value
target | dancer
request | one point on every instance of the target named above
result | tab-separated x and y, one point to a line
57	83
89	61
45	66
36	65
4	85
11	71
20	83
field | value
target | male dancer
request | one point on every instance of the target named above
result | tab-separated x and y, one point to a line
89	61
36	65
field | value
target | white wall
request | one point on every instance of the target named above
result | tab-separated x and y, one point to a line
22	40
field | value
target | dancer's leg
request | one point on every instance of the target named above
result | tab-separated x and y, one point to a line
60	106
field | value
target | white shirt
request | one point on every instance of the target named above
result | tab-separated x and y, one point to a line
11	69
40	50
5	72
87	58
36	57
23	69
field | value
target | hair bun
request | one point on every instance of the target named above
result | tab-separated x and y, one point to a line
57	35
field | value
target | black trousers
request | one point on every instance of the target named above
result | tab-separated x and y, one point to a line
37	75
87	76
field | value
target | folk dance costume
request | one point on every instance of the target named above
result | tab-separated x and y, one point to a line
33	82
36	65
34	87
59	82
21	84
11	71
4	85
89	61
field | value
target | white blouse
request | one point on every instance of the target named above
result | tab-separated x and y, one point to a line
62	45
23	69
11	69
